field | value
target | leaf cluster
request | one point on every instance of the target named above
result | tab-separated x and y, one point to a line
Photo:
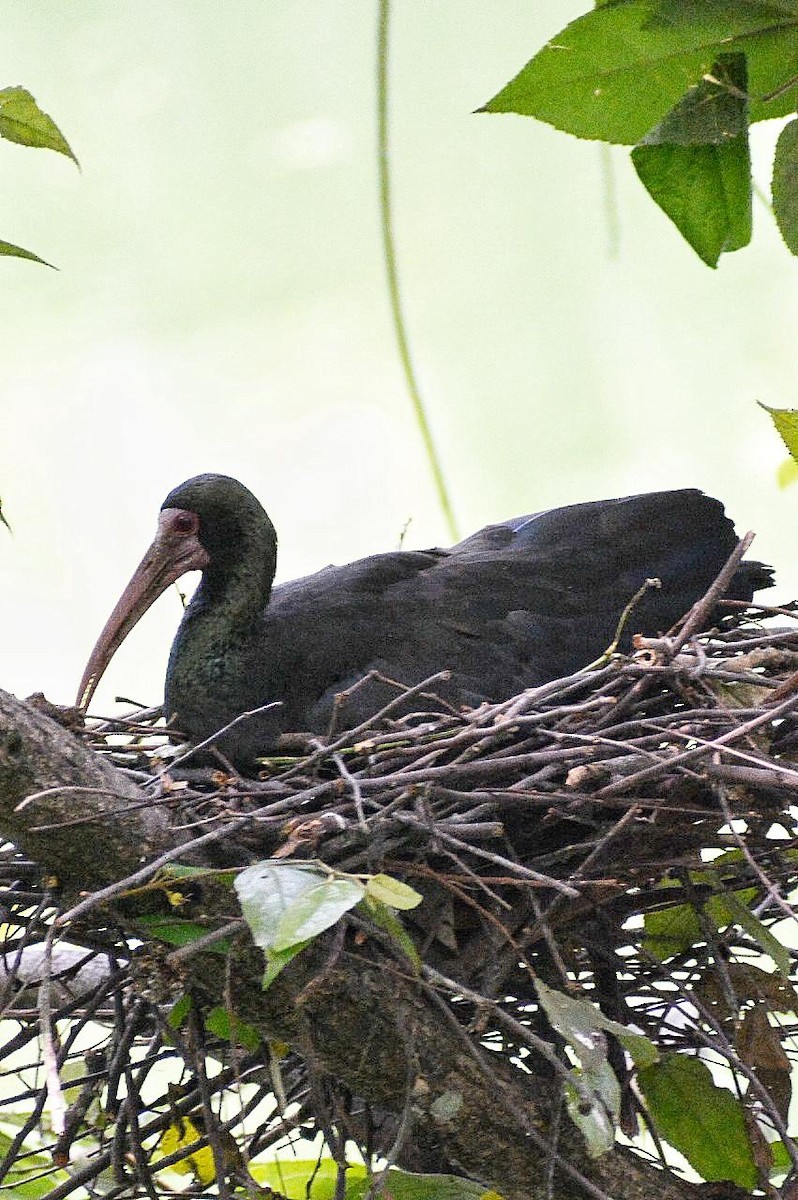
681	81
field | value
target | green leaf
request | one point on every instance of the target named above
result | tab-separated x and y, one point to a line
304	1179
227	1026
675	929
37	1177
722	909
286	906
772	75
22	121
786	423
315	910
782	1160
712	113
741	915
404	1186
178	1012
393	892
9	249
676	12
705	190
672	930
386	919
771	50
180	1135
696	163
266	892
703	1122
38	1187
785	185
598	1123
317	1180
616	71
577	1020
178	932
593	1100
278	960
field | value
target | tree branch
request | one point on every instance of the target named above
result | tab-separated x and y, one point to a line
364	1021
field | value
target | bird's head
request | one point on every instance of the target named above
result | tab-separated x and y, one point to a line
205	524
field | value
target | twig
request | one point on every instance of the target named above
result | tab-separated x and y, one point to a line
699	615
763	718
53	1083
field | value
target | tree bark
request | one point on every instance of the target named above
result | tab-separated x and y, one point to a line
355	1015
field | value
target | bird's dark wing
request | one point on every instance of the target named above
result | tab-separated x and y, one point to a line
515	605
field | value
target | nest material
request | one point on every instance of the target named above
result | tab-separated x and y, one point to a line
540	831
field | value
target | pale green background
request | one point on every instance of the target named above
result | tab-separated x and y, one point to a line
220	304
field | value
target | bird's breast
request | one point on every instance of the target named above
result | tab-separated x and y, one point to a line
209	679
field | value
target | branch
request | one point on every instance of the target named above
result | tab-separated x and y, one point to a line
355	1015
47	779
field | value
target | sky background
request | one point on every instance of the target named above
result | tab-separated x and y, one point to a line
220	305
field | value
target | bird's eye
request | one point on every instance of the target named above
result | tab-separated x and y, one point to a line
185	522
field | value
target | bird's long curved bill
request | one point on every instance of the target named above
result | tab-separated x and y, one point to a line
166	560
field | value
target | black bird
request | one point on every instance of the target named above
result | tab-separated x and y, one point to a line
513	606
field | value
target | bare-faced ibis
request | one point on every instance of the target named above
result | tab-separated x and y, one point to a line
513	606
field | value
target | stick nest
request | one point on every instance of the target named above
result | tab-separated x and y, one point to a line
561	835
546	831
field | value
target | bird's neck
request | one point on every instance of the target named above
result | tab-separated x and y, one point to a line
234	598
212	650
